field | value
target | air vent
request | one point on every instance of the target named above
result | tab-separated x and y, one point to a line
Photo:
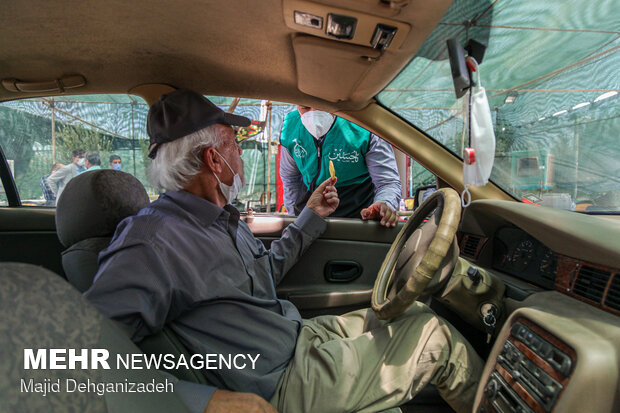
470	245
549	276
591	283
613	295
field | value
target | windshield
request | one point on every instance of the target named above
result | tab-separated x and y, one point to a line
552	74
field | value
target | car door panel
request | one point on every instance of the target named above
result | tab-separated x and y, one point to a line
345	244
29	235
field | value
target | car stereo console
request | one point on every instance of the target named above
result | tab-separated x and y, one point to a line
531	371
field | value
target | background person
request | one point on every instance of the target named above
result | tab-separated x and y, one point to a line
368	182
115	162
62	176
48	194
92	161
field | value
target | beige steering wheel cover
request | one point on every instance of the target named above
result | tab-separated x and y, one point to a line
448	204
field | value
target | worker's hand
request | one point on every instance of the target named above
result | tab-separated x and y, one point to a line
224	401
381	211
324	200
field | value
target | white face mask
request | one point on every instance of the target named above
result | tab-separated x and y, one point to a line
317	122
478	172
81	161
230	192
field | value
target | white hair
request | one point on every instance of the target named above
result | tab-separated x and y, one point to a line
177	162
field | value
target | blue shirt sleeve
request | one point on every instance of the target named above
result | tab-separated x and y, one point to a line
122	292
381	164
295	240
294	187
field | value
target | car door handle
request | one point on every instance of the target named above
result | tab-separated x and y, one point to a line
342	271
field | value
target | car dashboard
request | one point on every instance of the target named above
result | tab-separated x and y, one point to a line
517	253
559	330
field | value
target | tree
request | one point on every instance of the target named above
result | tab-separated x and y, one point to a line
70	138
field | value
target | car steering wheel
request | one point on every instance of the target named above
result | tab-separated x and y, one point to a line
433	242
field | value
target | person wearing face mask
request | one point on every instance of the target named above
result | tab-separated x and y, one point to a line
58	180
115	162
187	261
368	182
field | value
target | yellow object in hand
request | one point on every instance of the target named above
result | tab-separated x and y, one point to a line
332	170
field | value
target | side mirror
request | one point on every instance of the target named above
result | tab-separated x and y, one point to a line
421	193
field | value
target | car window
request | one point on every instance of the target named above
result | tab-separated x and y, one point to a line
260	192
263	189
36	134
418	179
551	73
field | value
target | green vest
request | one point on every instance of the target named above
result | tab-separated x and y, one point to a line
345	144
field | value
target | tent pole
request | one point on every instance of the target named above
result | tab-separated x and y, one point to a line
133	140
233	105
269	156
576	160
53	133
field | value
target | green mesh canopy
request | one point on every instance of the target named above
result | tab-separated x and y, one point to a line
552	75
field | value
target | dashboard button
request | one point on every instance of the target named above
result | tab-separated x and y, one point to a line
528	338
491	390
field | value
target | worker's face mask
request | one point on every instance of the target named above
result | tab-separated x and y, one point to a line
477	164
116	166
317	122
230	192
81	161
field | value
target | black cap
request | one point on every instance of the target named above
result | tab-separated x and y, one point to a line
182	112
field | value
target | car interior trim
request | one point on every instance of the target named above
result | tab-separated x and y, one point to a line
574	235
59	85
10	189
321	300
592	334
364	29
594	284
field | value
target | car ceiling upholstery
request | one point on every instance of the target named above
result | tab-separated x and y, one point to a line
233	48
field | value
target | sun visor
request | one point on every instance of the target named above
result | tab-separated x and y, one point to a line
331	70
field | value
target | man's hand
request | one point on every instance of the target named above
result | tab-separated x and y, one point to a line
324	200
380	211
224	401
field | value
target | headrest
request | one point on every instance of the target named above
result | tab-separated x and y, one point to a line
94	202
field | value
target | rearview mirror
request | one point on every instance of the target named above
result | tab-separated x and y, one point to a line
460	73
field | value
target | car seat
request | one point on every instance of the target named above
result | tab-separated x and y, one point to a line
87	213
40	310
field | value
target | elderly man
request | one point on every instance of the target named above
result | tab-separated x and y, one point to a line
187	261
